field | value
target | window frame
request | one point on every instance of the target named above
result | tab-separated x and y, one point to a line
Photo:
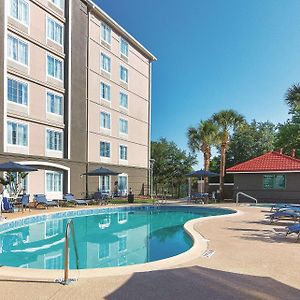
108	85
122	67
23	41
21	82
106	142
55	59
62	102
121	132
101	60
274	186
53	173
49	18
124	107
122	40
61	8
17	19
120	158
110	33
17	135
106	113
62	140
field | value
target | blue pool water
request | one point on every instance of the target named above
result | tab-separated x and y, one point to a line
109	238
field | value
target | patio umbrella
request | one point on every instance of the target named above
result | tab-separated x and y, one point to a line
200	174
101	172
15	167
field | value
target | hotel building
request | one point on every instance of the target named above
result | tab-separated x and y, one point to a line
75	95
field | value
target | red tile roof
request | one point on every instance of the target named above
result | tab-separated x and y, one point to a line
269	162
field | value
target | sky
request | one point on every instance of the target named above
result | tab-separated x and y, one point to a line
214	55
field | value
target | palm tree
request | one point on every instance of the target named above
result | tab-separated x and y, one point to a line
226	120
202	138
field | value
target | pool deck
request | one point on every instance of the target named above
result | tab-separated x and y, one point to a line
252	259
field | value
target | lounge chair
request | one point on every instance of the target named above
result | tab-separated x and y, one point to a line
40	199
286	214
293	229
284	206
23	202
71	199
6	206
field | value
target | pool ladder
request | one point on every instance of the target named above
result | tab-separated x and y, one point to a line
245	195
66	280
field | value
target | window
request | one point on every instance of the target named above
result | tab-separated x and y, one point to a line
105	33
17	50
123	126
19	10
124	47
54	103
123	152
54	262
105	63
104	183
17	134
17	91
53	182
123	100
122	184
54	140
124	74
53	227
105	91
54	67
104	120
59	3
273	181
54	31
104	149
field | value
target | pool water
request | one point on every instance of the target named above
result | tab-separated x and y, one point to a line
116	238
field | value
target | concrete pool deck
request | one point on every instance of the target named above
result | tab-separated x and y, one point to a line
252	260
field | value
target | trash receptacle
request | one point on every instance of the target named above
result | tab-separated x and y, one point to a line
130	198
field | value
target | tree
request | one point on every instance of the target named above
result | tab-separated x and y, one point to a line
292	98
203	138
249	141
171	165
13	182
227	121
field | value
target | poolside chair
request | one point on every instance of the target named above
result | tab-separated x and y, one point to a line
23	202
6	205
40	199
287	214
100	198
293	229
71	199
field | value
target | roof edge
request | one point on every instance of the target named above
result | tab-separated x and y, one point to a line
111	21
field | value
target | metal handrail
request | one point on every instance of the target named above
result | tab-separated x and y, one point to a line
246	195
66	280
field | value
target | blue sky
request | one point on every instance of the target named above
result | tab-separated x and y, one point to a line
213	55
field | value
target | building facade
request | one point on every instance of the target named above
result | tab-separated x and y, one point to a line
75	95
271	177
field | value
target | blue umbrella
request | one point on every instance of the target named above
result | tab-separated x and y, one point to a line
200	174
15	167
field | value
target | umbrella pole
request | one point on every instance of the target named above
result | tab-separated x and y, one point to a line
190	189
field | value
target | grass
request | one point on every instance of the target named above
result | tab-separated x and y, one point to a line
136	200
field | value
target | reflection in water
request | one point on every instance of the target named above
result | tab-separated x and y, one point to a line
104	240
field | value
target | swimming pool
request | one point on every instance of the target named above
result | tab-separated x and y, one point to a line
107	237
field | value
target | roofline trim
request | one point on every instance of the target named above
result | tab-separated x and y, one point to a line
262	172
128	35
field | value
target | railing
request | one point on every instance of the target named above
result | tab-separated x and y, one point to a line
66	280
245	195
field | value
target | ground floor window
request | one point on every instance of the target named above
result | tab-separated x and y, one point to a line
104	184
123	184
54	182
274	181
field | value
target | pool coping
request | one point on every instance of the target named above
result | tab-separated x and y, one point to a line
200	245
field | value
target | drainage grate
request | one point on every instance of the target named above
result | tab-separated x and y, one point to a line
208	253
